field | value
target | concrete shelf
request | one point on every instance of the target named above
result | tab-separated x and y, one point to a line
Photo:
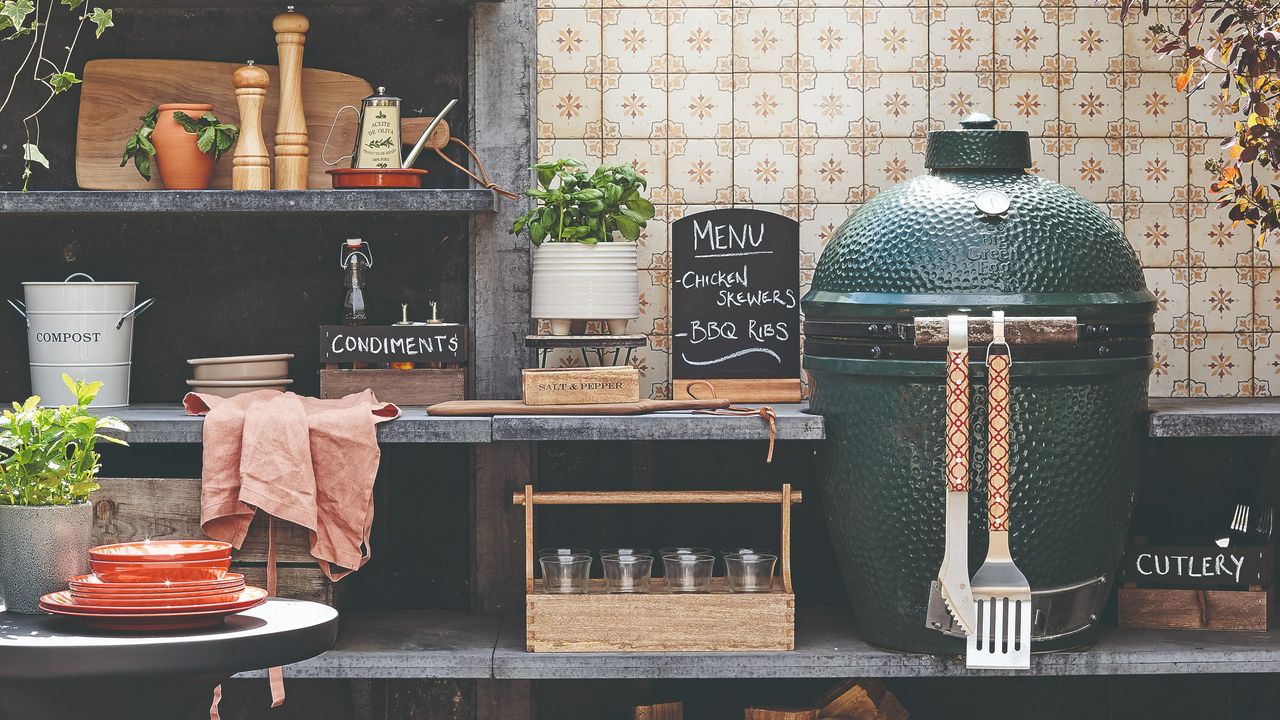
445	644
170	424
64	203
1215	417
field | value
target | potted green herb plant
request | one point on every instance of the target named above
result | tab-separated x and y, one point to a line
585	226
48	468
185	139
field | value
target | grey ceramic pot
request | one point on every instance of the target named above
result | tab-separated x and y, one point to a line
40	548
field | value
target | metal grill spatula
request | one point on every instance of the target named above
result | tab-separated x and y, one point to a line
1001	593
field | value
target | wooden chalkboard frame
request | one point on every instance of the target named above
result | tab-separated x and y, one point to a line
759	260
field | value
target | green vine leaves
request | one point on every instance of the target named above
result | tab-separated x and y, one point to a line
21	18
575	205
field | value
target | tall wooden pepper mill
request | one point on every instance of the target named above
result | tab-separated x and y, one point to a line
251	163
291	126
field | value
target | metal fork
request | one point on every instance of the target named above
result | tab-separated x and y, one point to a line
1001	593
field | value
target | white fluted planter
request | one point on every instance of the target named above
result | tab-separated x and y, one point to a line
578	282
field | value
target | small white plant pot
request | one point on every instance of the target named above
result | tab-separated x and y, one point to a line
578	282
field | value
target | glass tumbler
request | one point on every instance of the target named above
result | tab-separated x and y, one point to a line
749	572
566	574
683	551
608	552
545	552
688	572
627	573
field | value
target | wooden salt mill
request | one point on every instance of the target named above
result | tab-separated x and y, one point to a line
251	164
291	125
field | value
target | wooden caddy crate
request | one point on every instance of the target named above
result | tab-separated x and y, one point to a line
659	621
1181	588
129	509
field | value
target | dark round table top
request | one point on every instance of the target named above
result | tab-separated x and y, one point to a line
278	632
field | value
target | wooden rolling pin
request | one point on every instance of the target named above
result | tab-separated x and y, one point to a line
486	408
291	125
251	163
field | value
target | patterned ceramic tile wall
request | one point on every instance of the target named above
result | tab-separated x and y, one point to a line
808	107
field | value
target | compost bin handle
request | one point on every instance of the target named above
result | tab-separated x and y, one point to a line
136	311
86	276
20	307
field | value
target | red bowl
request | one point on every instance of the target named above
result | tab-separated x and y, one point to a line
162	551
158	572
346	178
95	583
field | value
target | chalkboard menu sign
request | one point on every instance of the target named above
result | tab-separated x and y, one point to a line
735	298
427	343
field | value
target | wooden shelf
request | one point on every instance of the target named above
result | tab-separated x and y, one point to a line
444	644
171	424
64	203
1215	417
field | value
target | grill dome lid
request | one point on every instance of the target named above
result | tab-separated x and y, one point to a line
978	232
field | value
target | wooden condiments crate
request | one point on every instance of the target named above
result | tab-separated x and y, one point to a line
347	351
129	509
659	621
1196	588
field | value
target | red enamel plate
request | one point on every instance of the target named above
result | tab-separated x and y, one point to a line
136	600
64	604
94	583
162	551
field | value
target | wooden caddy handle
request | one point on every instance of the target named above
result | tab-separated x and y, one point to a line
784	497
658	497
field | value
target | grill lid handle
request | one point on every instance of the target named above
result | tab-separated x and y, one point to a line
1018	330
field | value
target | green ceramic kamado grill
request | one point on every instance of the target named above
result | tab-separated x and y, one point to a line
978	234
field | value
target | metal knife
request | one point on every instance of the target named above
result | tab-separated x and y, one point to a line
953	575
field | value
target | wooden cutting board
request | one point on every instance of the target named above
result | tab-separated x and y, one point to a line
115	92
517	407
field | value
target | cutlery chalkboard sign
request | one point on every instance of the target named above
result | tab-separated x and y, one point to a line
735	305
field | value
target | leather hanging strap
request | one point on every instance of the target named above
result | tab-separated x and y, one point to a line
483	177
998	362
275	675
770	416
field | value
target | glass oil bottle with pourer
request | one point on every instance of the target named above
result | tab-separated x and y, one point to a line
356	258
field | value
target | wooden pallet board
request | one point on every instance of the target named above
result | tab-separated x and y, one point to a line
130	509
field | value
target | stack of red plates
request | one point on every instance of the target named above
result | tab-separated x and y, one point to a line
156	585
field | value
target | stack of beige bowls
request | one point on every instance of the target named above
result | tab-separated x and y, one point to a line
229	376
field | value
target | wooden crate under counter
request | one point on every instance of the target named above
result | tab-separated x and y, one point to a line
1198	588
130	509
660	621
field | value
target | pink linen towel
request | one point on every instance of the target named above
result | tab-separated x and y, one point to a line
309	461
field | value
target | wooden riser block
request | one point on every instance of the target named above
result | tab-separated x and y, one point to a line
658	621
422	386
1177	609
661	711
741	391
